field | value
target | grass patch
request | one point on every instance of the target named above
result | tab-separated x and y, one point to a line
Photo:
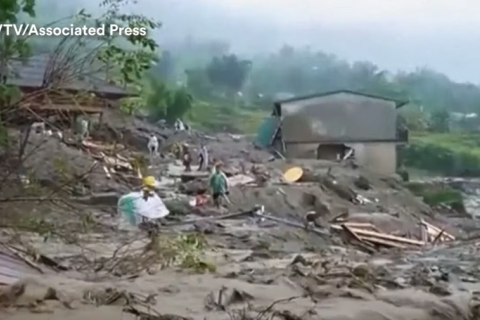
450	154
468	143
435	195
207	116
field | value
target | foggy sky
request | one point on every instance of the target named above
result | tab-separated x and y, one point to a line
395	34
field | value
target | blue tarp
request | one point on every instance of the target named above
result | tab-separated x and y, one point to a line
266	131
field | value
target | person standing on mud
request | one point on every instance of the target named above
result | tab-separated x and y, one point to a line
218	184
187	158
202	158
153	145
179	126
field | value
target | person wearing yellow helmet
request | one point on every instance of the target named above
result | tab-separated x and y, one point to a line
149	185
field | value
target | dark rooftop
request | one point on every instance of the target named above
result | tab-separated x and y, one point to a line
398	103
31	74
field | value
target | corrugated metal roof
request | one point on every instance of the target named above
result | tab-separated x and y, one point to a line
398	103
31	73
13	268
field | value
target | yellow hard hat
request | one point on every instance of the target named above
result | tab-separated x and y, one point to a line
149	181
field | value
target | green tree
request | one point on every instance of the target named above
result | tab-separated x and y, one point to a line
440	121
10	9
198	83
228	72
160	102
414	118
181	102
165	66
11	48
129	55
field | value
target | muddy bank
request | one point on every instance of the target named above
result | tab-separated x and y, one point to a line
270	287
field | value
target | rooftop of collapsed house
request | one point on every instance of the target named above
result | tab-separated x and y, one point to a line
398	103
33	72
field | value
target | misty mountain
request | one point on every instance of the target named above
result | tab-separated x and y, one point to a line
405	37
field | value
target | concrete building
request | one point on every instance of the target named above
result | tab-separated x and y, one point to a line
324	126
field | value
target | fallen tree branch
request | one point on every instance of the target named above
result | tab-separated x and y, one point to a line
270	307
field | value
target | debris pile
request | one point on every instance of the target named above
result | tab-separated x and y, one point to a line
109	155
359	240
368	234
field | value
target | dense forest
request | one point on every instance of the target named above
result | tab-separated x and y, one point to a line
301	70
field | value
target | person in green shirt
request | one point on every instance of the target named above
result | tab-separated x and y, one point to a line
218	184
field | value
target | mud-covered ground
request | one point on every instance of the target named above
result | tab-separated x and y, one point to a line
259	268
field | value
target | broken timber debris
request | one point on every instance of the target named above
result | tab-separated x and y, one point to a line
368	233
434	232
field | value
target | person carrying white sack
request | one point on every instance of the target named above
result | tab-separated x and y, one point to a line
142	206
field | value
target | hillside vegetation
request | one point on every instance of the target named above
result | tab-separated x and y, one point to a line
451	154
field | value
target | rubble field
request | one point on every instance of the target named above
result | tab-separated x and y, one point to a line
372	250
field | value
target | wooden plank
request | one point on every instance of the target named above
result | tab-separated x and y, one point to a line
97	146
438	238
351	233
424	232
437	230
363	225
339	218
384	236
383	242
354	225
361	243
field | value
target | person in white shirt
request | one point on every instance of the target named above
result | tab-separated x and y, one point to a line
202	158
179	126
39	127
84	129
153	145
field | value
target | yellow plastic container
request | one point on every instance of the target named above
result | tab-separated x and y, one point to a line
293	174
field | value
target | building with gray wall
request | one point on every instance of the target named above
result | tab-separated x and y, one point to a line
365	123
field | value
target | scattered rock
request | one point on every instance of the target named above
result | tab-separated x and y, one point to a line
362	183
440	289
226	297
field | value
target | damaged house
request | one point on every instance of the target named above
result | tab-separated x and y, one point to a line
58	90
335	125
